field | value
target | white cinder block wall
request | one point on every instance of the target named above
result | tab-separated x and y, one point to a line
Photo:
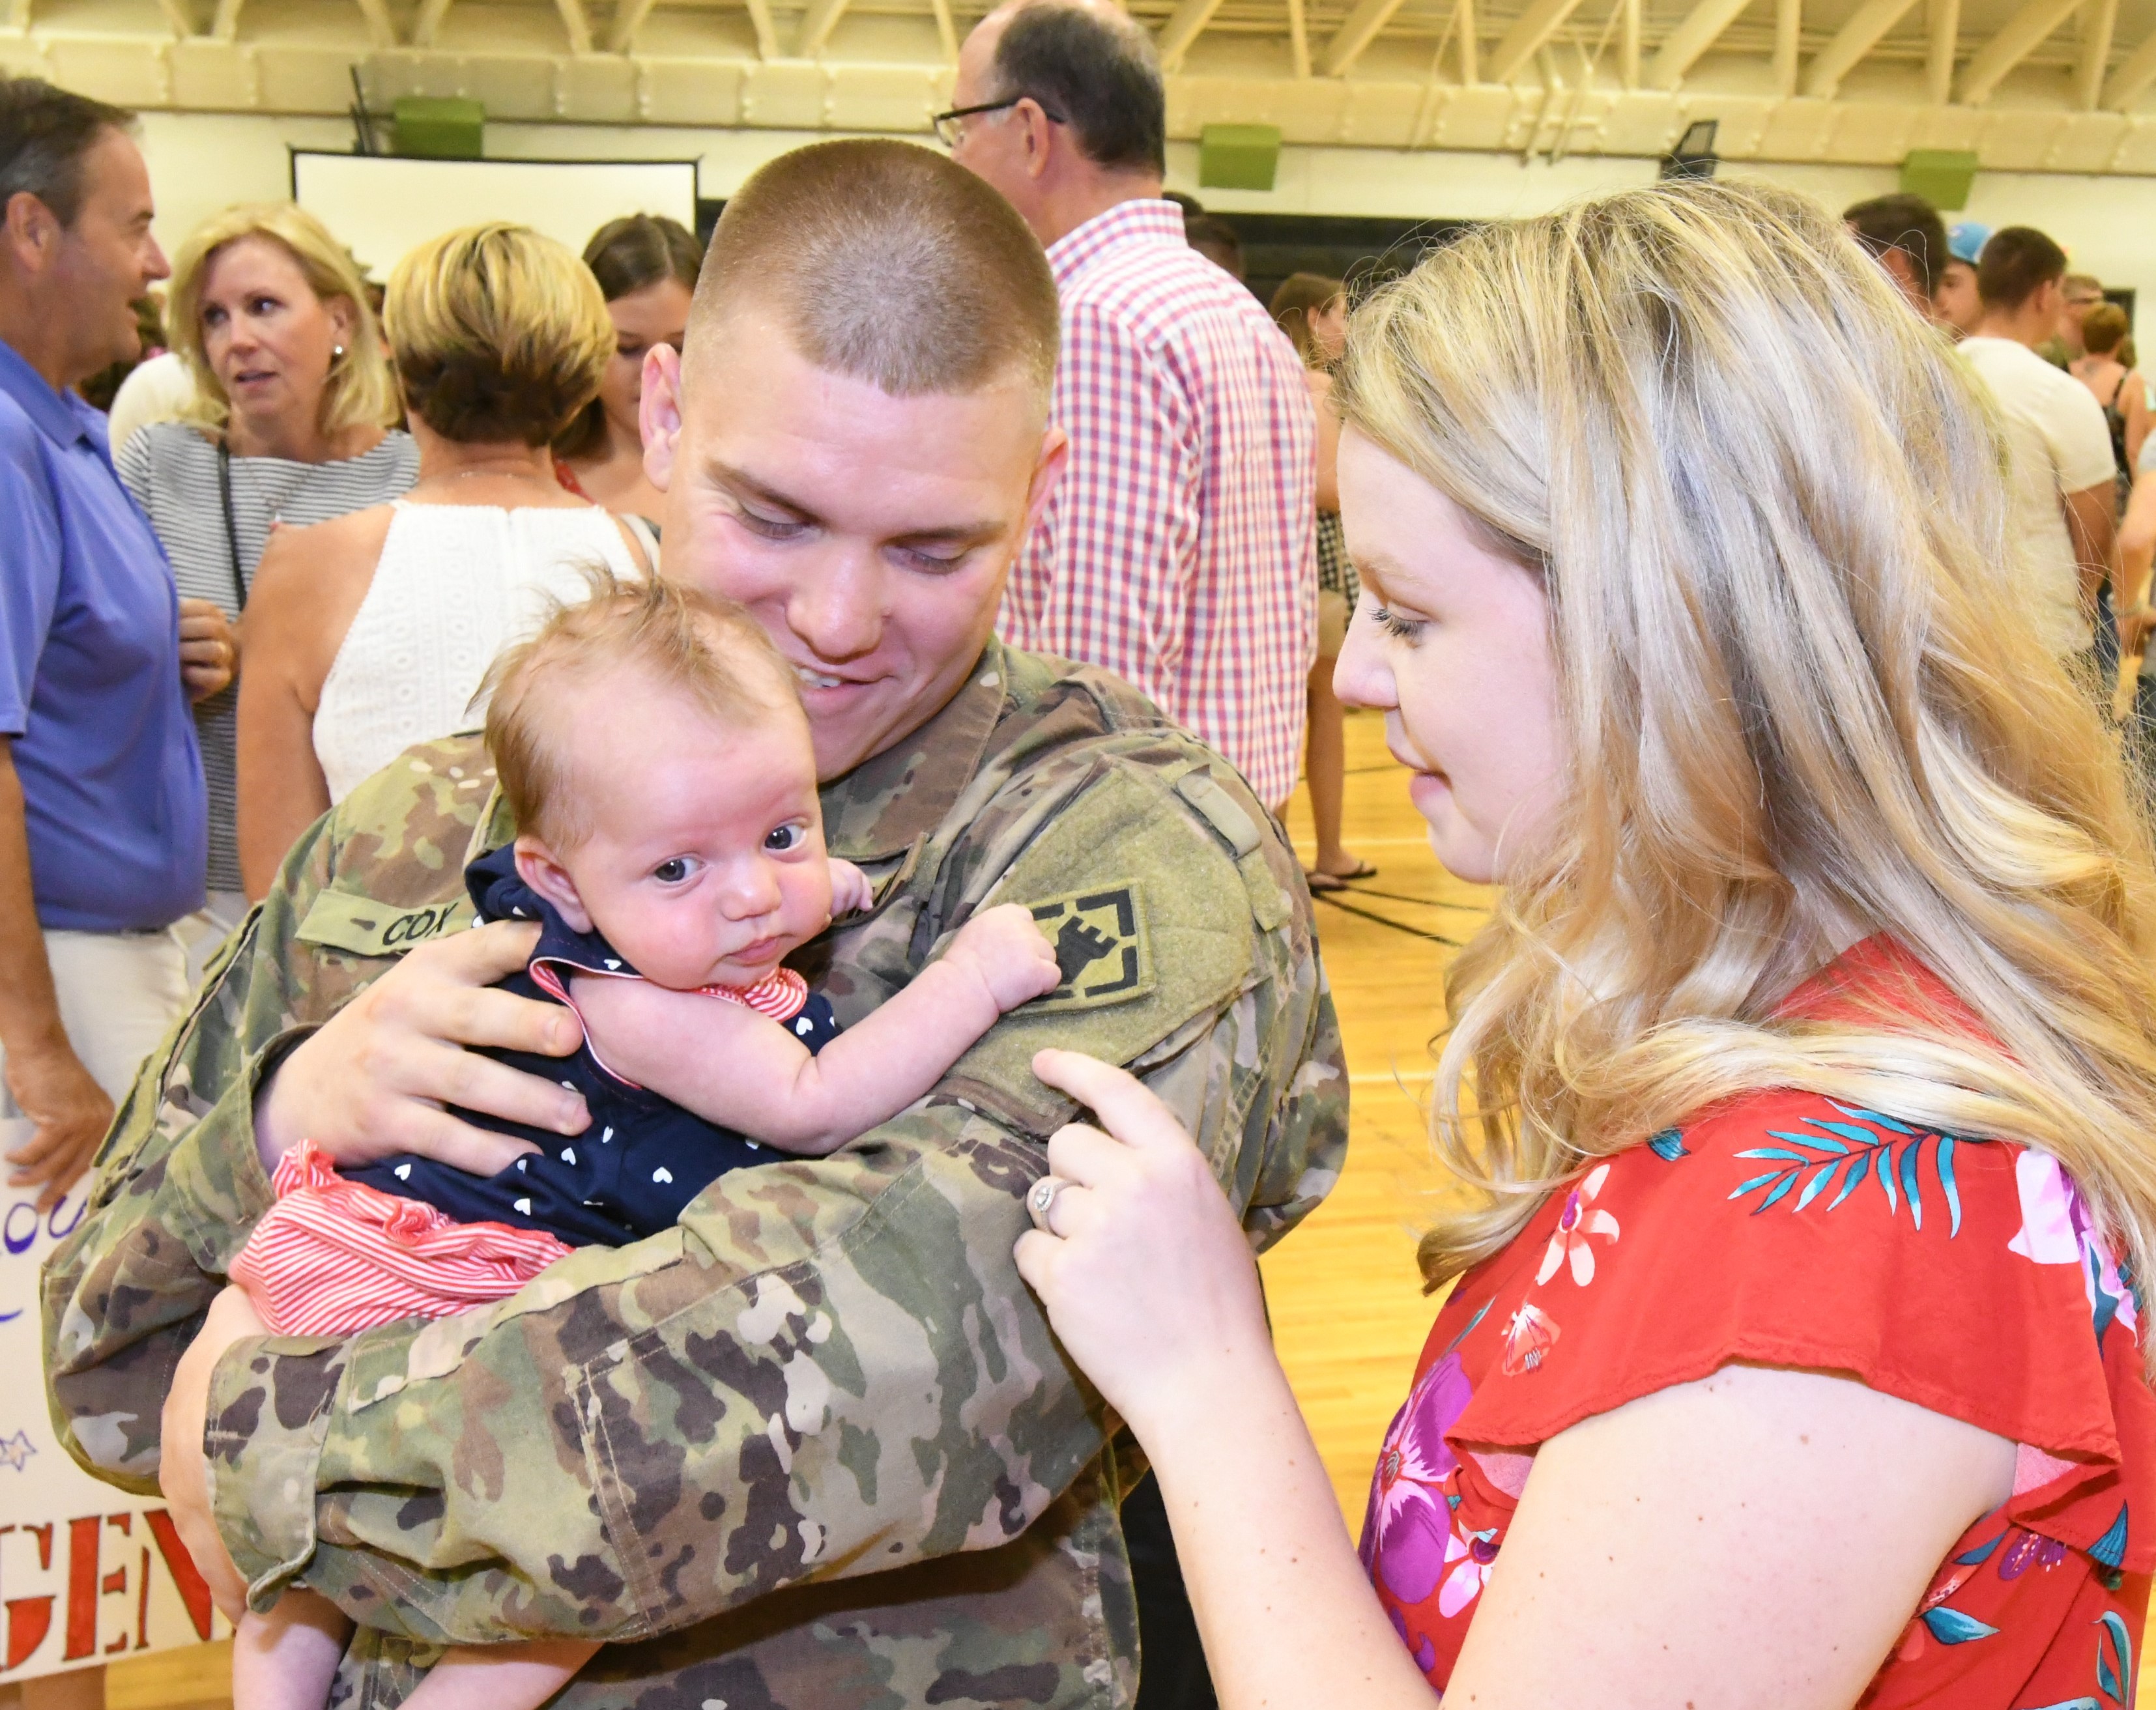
199	162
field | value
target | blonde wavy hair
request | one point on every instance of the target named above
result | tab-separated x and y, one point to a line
1802	698
499	333
361	391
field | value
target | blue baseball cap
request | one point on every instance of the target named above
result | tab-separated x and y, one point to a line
1965	240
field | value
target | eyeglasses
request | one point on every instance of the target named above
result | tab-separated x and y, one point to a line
948	131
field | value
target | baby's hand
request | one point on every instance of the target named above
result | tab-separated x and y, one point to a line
1004	946
850	890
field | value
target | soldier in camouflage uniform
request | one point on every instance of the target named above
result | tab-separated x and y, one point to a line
815	1446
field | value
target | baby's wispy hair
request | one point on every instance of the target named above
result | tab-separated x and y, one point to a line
708	648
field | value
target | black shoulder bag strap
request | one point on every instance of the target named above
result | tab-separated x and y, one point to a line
231	524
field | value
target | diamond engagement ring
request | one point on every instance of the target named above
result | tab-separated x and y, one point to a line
1040	1199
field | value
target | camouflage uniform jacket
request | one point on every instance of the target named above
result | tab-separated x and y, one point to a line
814	1446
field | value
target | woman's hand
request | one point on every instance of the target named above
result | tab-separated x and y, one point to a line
1144	1269
373	1080
209	649
182	1469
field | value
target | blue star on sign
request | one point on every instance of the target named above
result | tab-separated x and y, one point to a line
17	1450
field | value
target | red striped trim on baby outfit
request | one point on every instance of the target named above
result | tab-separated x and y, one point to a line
333	1257
780	994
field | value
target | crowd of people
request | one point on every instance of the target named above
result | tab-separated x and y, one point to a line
714	815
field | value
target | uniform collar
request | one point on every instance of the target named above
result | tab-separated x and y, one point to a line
892	800
54	416
1145	219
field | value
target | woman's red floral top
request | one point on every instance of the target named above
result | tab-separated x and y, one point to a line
1781	1228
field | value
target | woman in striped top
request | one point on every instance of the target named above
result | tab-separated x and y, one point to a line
290	423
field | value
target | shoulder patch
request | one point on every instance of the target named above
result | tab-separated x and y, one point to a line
1102	947
345	921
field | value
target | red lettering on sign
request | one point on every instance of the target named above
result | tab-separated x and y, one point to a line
82	1588
194	1589
29	1619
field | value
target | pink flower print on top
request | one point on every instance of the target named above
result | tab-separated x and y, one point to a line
1405	1530
2057	1229
1574	1225
1529	1334
1469	1556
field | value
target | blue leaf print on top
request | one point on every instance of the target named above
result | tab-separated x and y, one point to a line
1669	1146
2110	1550
2117	1681
1950	1626
1869	1146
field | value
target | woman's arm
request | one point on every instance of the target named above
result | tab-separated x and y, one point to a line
2133	404
1693	1546
298	611
1328	438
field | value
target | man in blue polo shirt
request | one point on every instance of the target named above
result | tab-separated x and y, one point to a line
101	806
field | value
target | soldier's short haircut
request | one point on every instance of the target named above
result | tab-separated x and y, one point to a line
886	263
2018	262
1906	223
44	134
1097	71
708	649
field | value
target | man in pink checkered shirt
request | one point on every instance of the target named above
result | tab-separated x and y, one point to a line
1176	551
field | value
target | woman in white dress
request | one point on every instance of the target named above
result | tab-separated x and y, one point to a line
371	632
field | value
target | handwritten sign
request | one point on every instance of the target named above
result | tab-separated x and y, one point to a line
87	1572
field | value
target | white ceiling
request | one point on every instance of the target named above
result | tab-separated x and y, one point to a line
2030	84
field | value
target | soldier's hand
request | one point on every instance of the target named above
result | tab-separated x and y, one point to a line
182	1472
70	1113
1005	949
373	1080
1143	1267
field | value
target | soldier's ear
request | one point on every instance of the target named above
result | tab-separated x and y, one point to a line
537	866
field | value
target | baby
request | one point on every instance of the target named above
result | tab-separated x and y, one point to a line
652	745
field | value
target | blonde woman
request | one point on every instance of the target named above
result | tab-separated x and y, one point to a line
1311	309
1793	1352
371	632
289	420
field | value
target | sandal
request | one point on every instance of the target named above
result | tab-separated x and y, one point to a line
1319	880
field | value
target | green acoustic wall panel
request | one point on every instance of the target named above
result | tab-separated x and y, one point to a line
440	127
1237	156
1941	175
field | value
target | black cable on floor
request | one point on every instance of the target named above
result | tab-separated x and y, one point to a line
1364	890
1332	899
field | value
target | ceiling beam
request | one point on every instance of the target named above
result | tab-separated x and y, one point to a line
2130	82
1789	40
1470	45
1856	38
947	30
1357	32
1298	38
429	25
2017	39
767	36
627	19
577	23
817	23
1699	29
2099	24
1184	27
1628	44
18	14
1529	33
381	31
177	16
225	26
1945	21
